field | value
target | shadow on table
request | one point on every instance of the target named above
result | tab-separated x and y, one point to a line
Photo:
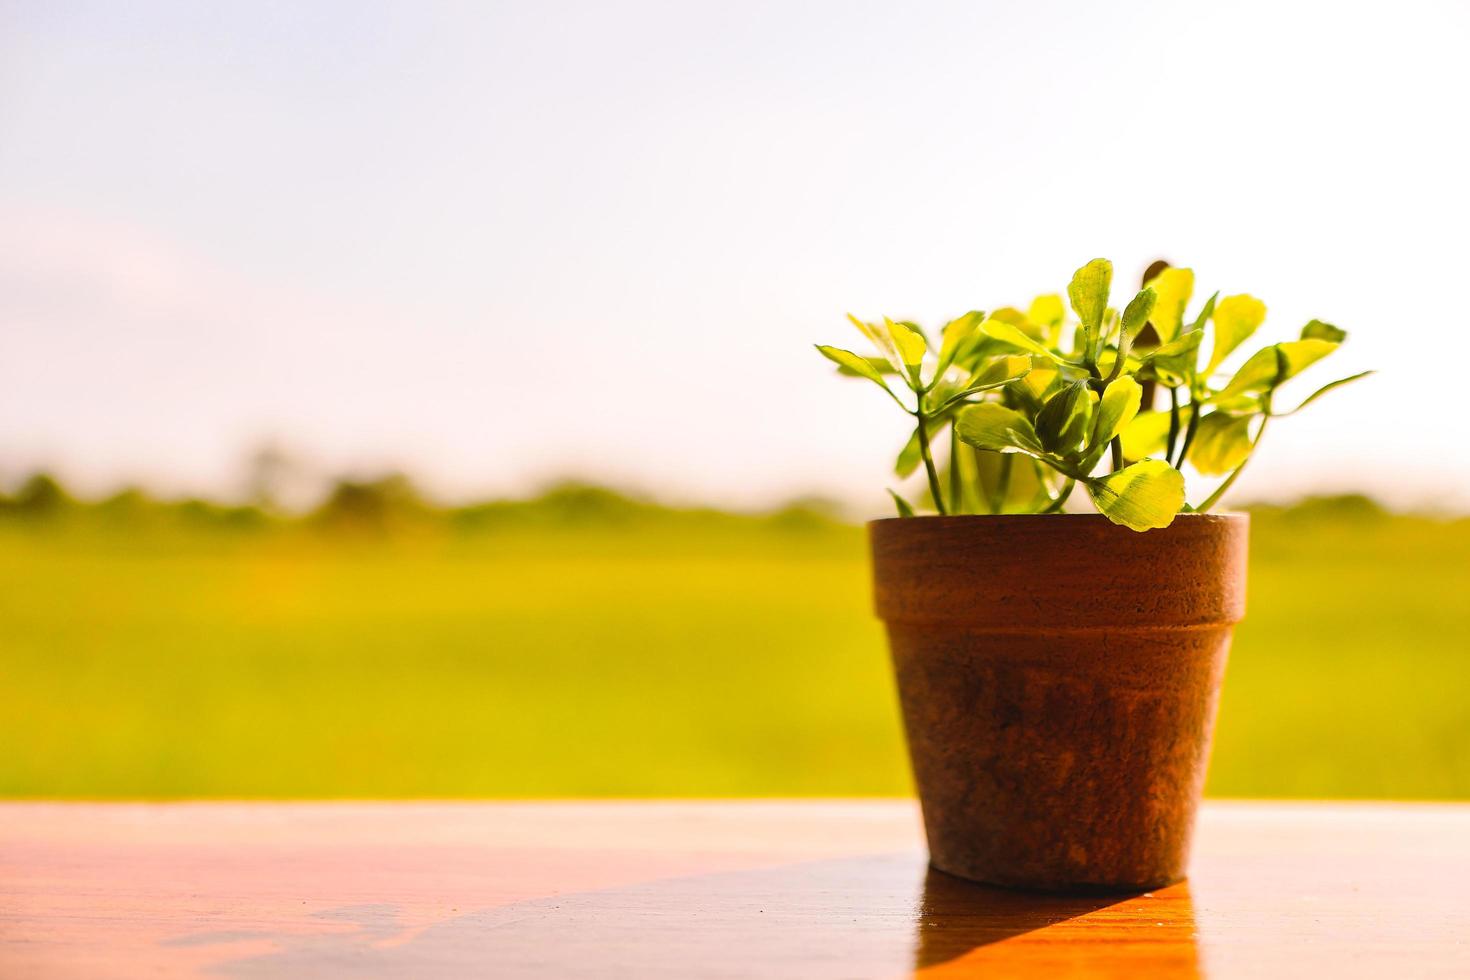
871	916
955	916
959	923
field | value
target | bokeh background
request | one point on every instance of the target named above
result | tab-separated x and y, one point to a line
417	399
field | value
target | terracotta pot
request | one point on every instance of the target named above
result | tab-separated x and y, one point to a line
1059	676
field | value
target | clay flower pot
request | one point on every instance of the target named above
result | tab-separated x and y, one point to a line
1058	676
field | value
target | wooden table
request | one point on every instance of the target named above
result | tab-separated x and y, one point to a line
809	890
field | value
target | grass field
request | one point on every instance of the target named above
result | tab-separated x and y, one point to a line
647	661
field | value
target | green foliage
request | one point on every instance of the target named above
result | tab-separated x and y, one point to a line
1137	313
283	664
994	427
1317	330
1017	408
1174	287
1221	443
1144	495
1118	408
1147	434
1088	292
905	509
1236	318
860	366
1065	418
1011	335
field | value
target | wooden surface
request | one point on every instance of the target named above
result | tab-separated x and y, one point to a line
809	890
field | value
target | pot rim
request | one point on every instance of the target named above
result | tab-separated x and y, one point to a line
1059	571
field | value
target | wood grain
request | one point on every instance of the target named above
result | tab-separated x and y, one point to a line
807	890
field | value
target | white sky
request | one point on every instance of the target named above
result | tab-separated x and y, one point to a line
498	243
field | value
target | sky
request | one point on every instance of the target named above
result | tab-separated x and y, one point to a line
498	244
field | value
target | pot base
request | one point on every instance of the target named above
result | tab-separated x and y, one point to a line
1060	888
1059	760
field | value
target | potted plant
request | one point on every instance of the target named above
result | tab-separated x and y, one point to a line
1059	672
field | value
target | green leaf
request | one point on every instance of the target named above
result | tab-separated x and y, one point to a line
1301	354
1120	402
1148	433
1258	373
1221	443
965	494
1145	495
1179	345
1317	330
1010	483
877	363
1042	379
909	457
1324	390
956	332
1174	287
1089	290
1206	311
852	363
910	345
1174	362
904	510
915	328
1137	313
1027	394
999	370
1244	404
1046	311
1269	367
882	340
1074	436
1009	333
1064	419
1236	318
1108	360
996	428
995	373
975	347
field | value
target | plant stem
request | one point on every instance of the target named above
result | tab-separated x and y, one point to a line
1003	488
1117	447
1061	497
1173	423
1214	498
928	457
995	500
956	491
1188	433
1124	345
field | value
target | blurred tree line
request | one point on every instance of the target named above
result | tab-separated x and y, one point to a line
378	506
284	492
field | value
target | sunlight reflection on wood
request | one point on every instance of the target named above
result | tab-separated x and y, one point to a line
809	890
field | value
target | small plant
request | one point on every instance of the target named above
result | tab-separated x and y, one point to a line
1029	404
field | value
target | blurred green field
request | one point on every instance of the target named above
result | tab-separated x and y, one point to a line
731	659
